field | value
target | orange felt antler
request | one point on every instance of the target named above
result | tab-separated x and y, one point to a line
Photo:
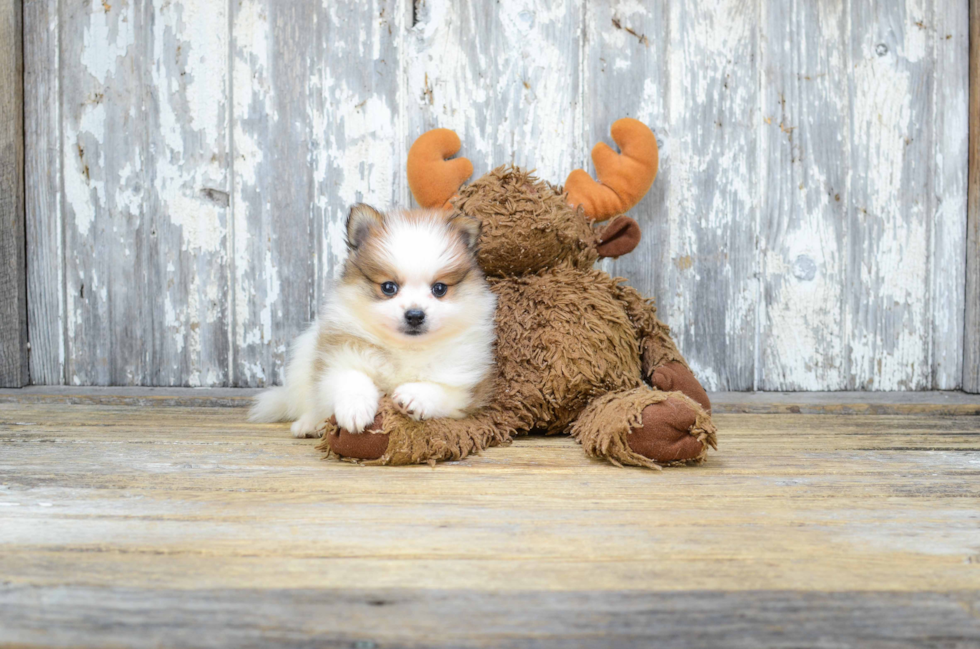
623	178
433	179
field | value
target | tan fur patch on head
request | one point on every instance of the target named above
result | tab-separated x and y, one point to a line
368	260
462	266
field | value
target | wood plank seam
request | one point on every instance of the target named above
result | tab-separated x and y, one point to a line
947	190
762	143
971	329
13	265
935	403
62	202
230	240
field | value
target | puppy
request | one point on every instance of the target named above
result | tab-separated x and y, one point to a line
411	317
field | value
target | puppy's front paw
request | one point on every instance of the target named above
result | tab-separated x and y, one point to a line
307	426
356	413
419	400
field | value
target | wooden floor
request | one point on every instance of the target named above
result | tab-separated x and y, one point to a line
146	526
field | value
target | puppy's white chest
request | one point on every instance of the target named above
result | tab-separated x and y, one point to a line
406	368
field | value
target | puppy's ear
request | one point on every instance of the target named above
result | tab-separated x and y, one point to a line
467	227
361	220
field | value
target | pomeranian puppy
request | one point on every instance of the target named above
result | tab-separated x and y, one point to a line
411	317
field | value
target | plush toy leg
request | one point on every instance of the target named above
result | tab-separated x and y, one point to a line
663	366
396	439
369	445
644	427
678	377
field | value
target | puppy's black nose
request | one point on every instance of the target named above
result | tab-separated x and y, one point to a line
415	317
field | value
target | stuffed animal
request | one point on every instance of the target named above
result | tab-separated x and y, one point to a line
577	351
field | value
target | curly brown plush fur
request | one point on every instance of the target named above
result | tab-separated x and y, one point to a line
577	350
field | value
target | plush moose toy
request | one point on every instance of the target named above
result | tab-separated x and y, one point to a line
577	351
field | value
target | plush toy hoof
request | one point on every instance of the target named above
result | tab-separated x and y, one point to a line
360	446
675	377
665	435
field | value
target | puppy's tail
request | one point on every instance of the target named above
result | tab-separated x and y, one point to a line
274	404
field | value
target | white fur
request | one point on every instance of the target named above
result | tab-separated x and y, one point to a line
428	376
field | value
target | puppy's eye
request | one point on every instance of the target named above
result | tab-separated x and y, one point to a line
439	289
389	288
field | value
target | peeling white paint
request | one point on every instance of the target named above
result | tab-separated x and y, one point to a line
272	296
83	166
362	166
180	182
888	334
712	191
107	38
950	108
205	49
796	146
252	94
173	323
443	82
802	328
201	222
882	112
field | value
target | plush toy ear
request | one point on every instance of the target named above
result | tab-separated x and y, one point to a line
621	236
468	228
360	221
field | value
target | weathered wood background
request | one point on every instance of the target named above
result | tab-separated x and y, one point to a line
190	163
14	358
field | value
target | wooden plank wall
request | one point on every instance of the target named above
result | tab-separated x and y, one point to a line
971	341
186	193
13	269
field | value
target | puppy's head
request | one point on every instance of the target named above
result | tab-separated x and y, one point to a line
412	275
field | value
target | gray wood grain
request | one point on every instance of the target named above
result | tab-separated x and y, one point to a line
274	245
136	526
971	329
947	190
186	194
831	261
105	182
75	616
45	251
716	104
890	201
146	192
505	78
13	282
804	197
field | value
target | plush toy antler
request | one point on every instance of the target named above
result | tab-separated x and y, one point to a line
432	178
623	178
